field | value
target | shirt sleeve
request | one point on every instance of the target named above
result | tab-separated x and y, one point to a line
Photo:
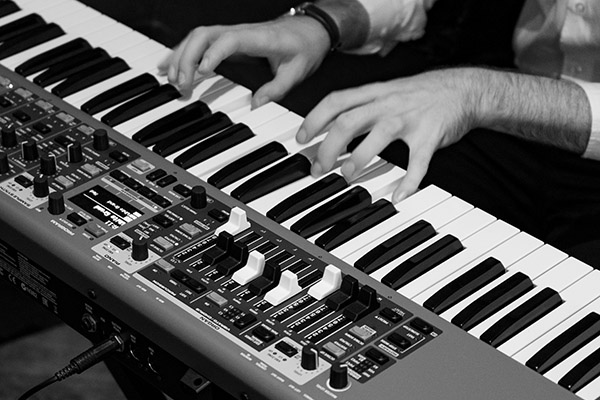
592	90
393	21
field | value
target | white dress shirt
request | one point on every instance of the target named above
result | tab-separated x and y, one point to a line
558	38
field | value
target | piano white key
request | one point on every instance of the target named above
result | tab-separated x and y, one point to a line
208	86
227	98
558	278
35	7
253	119
124	43
61	11
533	265
507	253
575	297
556	373
475	245
590	391
90	26
462	227
272	199
138	68
438	216
529	351
408	209
379	181
283	128
119	45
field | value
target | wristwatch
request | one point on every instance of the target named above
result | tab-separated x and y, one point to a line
311	10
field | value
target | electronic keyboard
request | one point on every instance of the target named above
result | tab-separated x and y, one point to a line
193	225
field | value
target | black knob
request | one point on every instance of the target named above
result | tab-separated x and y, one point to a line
75	154
198	197
47	165
29	150
4	166
56	203
40	186
101	140
9	136
139	249
338	376
310	357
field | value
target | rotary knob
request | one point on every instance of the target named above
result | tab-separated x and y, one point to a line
40	186
101	142
310	357
29	151
4	166
75	154
139	249
338	376
9	136
56	203
198	197
47	165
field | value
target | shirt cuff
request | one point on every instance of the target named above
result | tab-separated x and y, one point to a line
592	90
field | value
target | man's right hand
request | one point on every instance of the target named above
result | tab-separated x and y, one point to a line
294	47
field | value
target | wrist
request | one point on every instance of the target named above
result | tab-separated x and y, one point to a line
351	19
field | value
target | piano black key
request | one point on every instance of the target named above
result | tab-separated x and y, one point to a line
20	26
279	175
214	145
247	164
7	8
465	285
141	104
521	317
120	93
32	38
165	126
356	224
486	305
307	197
583	373
51	57
422	262
193	133
332	212
395	246
71	66
90	76
565	344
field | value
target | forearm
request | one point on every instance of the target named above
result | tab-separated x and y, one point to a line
544	110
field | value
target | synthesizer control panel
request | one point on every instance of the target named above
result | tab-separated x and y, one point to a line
111	237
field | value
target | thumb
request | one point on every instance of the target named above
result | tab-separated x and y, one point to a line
276	89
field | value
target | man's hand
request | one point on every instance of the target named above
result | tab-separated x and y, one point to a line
294	47
427	111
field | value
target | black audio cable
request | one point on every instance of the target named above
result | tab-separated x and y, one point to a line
82	362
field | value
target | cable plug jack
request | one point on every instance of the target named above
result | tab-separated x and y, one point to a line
87	359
